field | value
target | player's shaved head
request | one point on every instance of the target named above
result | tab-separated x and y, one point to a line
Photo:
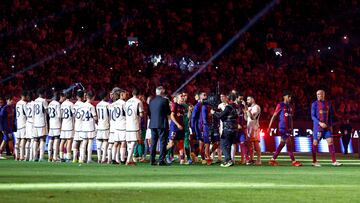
320	94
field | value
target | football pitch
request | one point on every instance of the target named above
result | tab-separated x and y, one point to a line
69	182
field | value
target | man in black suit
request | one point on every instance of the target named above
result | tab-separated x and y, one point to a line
159	110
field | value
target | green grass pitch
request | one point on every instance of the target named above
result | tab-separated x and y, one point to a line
68	182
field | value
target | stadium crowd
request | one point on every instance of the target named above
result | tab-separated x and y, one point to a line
87	42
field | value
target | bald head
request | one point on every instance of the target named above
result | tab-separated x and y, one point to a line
320	94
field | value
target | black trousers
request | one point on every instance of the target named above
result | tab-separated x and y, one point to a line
156	134
227	139
345	141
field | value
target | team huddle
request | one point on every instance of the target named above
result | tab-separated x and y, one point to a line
120	126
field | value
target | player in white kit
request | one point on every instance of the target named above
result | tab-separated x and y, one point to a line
134	111
103	127
20	111
77	140
114	114
253	130
29	134
67	127
54	127
120	135
40	125
88	134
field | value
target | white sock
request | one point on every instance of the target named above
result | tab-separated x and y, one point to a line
83	149
50	147
130	150
31	152
27	149
109	152
56	148
89	149
104	150
122	153
98	149
16	150
233	149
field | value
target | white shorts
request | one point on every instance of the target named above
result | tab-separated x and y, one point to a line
77	136
88	135
29	131
20	133
66	134
111	137
148	134
54	132
102	134
133	136
120	136
39	132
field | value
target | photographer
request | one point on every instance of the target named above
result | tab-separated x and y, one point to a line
230	124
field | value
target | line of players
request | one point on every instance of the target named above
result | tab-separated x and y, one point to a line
73	127
118	127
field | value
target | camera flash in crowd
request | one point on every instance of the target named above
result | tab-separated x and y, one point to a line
332	70
64	51
318	50
35	26
329	47
12	66
13	56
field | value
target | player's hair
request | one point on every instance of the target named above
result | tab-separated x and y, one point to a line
102	95
232	96
80	93
160	90
56	96
135	92
115	89
24	93
89	94
67	95
41	92
9	96
177	94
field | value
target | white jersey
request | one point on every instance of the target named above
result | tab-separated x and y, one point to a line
40	111
88	117
79	112
67	116
133	109
54	115
120	119
102	109
20	114
113	115
253	124
30	112
222	107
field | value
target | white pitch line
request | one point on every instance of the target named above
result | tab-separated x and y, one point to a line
157	185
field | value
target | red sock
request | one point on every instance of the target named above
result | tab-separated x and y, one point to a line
278	150
314	149
243	151
332	152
